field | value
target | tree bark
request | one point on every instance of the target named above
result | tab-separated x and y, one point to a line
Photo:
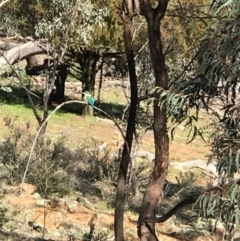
62	73
100	81
87	61
154	191
125	160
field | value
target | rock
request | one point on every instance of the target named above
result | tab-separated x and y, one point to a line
36	195
28	189
46	220
181	127
170	225
71	204
102	216
85	202
42	203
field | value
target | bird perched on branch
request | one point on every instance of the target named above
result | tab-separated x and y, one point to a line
89	98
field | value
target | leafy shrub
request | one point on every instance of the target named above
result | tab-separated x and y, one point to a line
47	169
100	168
93	234
184	187
3	216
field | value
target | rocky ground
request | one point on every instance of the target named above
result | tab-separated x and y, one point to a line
30	217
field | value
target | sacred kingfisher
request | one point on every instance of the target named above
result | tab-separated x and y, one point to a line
89	98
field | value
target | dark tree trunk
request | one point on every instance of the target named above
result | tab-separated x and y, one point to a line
88	75
100	81
50	82
125	160
88	61
60	83
154	191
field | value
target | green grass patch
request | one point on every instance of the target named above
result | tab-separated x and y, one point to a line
19	110
173	172
103	206
115	95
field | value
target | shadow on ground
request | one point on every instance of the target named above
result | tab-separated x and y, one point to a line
19	96
173	194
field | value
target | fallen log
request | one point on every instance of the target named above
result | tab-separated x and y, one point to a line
18	52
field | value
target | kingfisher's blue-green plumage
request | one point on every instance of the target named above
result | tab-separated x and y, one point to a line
89	98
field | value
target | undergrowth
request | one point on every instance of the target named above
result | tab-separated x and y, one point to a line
54	169
47	169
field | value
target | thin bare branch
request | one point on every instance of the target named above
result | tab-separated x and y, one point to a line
47	119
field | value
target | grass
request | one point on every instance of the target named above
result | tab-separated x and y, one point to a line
83	130
103	207
114	95
79	129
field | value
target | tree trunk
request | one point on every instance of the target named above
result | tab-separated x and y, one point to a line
89	73
125	160
88	61
154	191
60	83
100	81
50	82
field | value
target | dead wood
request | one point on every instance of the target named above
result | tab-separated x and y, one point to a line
24	51
15	52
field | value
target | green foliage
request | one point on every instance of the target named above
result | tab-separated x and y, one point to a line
6	89
5	69
183	27
101	169
47	170
69	23
225	149
216	87
109	33
185	187
93	234
61	20
181	108
3	217
83	29
223	206
20	73
219	54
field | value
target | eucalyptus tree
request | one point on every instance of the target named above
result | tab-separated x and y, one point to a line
106	42
128	12
154	12
167	104
213	85
62	24
217	86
